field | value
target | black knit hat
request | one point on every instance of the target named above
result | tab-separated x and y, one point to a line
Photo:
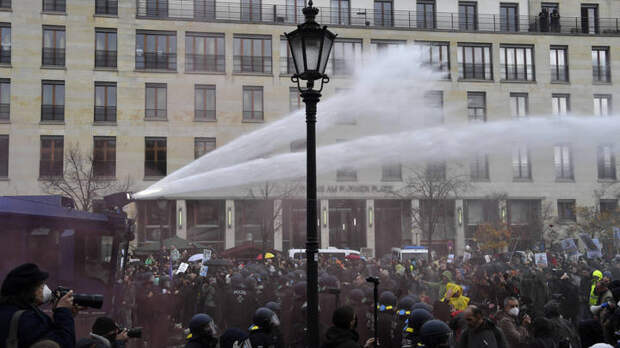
22	278
343	317
103	326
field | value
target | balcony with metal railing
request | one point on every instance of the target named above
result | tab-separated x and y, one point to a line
156	61
5	111
105	113
52	113
54	5
205	62
204	115
105	59
106	7
601	74
219	11
252	64
53	56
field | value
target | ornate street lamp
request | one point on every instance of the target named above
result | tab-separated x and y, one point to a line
310	46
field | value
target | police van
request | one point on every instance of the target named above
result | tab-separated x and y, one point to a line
410	252
331	251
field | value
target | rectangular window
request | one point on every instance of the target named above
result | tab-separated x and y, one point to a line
563	158
340	12
519	105
53	46
566	210
468	15
521	167
204	9
294	99
251	10
104	157
346	56
51	163
204	103
157	8
475	62
606	162
425	14
4	156
589	18
106	7
383	13
517	63
477	106
391	172
54	5
287	66
602	105
560	105
434	101
5	43
5	4
294	12
252	54
53	101
105	48
437	56
204	52
156	101
479	167
105	101
203	146
509	17
608	206
155	157
345	173
600	64
156	50
558	61
252	103
5	99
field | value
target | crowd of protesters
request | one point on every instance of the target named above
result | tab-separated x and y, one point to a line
503	301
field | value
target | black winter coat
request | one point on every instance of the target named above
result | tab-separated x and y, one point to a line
340	338
35	325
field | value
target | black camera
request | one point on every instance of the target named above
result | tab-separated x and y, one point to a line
84	300
134	332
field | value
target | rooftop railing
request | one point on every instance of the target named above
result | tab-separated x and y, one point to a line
256	12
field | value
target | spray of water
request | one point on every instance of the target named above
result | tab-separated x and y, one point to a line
387	105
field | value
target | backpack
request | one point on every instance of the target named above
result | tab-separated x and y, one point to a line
12	341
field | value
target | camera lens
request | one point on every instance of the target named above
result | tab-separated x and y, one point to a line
91	301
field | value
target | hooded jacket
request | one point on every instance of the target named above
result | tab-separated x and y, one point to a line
486	335
341	338
458	301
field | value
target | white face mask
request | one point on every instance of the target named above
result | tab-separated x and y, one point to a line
514	311
47	294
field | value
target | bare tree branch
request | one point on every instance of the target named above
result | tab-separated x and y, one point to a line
79	181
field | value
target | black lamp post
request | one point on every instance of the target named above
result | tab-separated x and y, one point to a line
310	46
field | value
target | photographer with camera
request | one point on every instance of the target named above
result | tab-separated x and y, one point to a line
22	323
106	334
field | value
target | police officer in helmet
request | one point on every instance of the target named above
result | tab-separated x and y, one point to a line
435	334
203	332
264	332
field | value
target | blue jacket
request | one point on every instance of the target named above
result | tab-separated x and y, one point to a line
34	325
